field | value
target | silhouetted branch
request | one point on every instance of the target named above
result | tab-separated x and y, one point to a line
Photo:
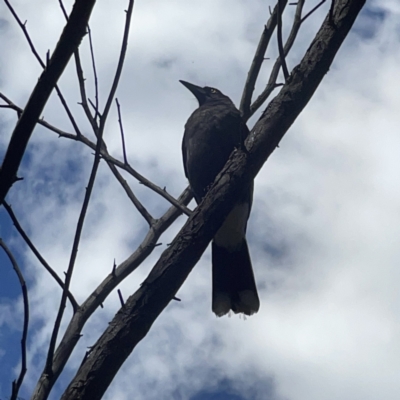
119	66
139	205
259	59
280	42
82	89
313	10
96	84
81	79
121	128
16	385
22	25
37	254
271	85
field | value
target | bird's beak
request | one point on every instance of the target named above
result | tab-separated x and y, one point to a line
198	91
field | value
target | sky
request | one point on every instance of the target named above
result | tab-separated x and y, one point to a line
324	229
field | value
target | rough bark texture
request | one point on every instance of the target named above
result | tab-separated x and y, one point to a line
134	320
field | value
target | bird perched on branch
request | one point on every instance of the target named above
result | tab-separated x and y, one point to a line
212	132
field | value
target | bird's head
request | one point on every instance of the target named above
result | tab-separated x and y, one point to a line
205	94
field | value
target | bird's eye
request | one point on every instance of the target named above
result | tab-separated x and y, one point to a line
213	90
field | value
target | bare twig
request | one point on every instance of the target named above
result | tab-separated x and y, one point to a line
140	207
121	60
64	11
258	60
96	85
82	89
121	299
16	385
143	211
313	10
25	31
96	112
81	79
280	43
38	255
271	85
121	128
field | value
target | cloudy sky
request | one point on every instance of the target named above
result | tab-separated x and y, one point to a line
325	226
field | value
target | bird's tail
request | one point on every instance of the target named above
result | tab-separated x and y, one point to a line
234	287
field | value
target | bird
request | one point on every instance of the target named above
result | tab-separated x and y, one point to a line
211	133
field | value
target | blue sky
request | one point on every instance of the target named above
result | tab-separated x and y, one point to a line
324	229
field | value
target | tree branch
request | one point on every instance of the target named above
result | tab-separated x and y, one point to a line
38	255
271	85
280	42
119	66
258	60
16	385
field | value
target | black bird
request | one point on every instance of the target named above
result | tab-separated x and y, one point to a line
211	134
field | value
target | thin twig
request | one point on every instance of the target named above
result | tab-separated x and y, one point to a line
271	85
24	236
258	59
25	31
74	252
121	299
280	43
82	89
64	11
121	128
139	206
16	385
119	66
96	86
313	10
96	111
